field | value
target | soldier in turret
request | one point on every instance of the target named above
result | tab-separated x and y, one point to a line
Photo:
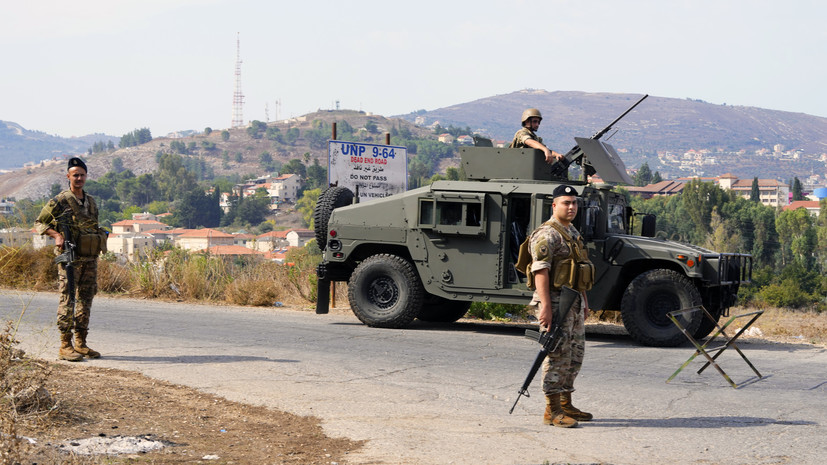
527	136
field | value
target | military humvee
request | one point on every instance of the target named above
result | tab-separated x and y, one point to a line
429	252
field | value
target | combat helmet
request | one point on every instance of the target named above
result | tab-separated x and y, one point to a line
529	113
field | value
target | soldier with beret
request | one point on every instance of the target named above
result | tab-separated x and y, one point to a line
527	136
552	245
75	210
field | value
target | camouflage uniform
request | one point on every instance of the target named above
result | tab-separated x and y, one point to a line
522	136
561	367
86	268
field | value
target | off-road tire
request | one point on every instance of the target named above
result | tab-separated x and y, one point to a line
647	300
436	309
707	326
331	199
385	292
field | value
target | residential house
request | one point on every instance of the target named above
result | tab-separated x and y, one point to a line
17	237
465	140
200	239
137	226
656	189
130	245
299	237
270	241
284	188
812	206
446	138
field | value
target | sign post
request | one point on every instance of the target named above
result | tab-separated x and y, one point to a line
374	171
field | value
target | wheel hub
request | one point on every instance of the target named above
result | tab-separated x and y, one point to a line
658	305
383	292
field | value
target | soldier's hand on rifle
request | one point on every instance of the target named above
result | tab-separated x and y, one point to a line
56	236
541	283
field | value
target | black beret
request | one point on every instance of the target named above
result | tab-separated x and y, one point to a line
562	190
75	161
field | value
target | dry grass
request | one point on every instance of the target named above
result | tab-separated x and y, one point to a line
179	275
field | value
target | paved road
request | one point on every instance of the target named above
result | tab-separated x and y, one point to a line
437	394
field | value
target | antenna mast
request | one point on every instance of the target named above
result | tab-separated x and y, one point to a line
238	97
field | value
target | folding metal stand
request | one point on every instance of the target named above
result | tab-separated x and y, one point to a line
704	349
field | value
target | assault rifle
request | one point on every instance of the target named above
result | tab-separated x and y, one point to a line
549	340
68	257
560	168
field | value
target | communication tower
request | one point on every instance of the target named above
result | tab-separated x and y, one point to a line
238	97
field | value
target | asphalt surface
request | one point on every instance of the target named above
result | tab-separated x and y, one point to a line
438	394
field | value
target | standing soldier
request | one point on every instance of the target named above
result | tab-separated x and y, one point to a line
559	258
71	219
527	136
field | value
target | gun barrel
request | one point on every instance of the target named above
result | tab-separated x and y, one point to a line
600	133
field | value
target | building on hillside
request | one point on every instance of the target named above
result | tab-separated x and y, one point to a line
137	226
812	206
771	191
284	188
17	237
244	239
6	207
132	246
465	140
299	237
659	188
200	239
270	241
446	138
233	251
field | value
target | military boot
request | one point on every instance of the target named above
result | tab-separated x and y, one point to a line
571	410
555	415
67	352
80	344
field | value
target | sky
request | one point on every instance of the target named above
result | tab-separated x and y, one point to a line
103	66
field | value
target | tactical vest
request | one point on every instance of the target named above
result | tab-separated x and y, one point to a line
575	270
89	238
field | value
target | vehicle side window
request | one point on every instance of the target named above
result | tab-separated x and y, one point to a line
453	213
616	219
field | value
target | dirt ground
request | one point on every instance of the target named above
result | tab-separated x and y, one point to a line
195	427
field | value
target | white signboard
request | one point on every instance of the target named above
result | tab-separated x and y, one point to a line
377	170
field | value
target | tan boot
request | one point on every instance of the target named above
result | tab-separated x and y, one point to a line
571	410
555	415
67	352
81	347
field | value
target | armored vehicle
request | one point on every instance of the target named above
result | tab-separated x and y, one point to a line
430	252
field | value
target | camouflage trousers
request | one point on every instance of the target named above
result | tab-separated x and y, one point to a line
562	366
86	286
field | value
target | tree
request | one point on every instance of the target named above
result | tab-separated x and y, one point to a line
755	192
797	194
225	135
798	236
254	209
294	166
307	204
656	178
256	129
207	130
644	175
316	176
265	160
136	137
699	198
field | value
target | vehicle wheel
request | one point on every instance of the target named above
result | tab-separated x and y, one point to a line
707	326
436	309
384	291
648	299
331	199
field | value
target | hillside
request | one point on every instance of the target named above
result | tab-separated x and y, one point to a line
660	132
19	146
659	124
35	182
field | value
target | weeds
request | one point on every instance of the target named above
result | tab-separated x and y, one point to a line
179	275
23	395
